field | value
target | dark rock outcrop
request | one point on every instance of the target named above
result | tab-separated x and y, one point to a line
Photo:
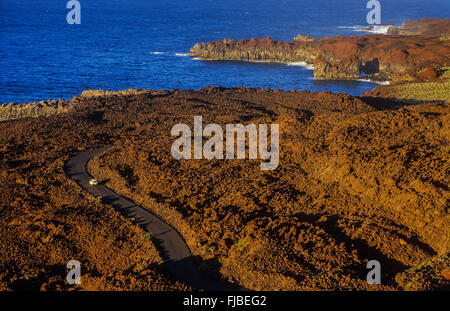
256	49
303	38
347	68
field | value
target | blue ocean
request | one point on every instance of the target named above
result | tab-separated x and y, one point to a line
124	44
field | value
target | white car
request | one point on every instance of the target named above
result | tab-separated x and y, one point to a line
93	182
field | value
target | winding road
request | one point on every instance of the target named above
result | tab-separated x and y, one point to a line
173	249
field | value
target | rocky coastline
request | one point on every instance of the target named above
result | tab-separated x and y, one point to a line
13	111
45	108
399	56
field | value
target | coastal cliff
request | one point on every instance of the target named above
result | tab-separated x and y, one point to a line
257	49
425	26
377	57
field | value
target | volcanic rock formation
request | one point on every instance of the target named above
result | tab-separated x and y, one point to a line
378	57
425	26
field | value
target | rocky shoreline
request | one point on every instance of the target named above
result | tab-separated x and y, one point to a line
415	55
399	56
13	111
45	108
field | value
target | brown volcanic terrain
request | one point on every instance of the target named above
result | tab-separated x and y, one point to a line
48	220
380	57
354	184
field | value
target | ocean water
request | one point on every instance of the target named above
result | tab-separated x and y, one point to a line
124	44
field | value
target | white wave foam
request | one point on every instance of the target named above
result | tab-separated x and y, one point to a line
181	54
377	29
156	53
377	82
301	64
349	27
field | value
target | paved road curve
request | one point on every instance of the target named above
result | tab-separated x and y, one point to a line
172	247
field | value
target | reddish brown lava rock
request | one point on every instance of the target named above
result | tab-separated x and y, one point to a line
380	57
